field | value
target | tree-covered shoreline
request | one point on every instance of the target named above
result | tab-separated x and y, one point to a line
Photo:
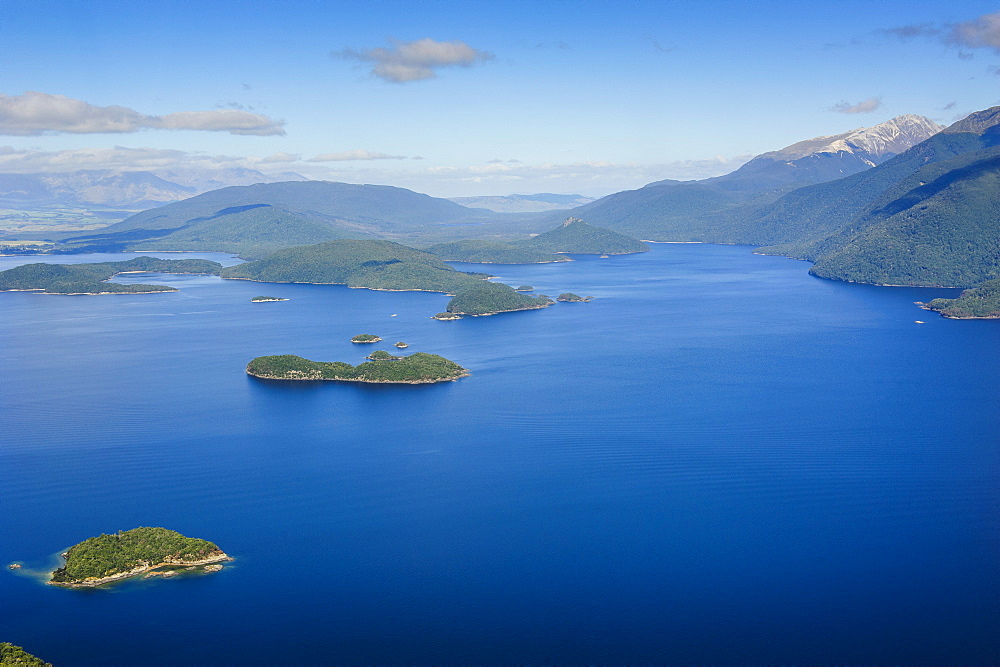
90	278
417	368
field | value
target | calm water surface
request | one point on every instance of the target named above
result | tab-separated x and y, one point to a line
720	459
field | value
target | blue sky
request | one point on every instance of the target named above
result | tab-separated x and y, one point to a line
488	97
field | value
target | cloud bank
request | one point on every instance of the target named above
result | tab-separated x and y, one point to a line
589	178
357	154
35	113
979	33
415	61
983	32
867	106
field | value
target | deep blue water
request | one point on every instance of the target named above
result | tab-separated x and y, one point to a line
720	459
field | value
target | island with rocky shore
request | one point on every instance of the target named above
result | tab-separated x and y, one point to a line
382	368
151	551
569	297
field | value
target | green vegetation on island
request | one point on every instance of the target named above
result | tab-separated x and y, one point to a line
493	252
417	368
365	338
89	278
15	655
573	298
401	345
981	302
382	355
576	236
357	263
106	558
524	288
444	317
261	299
486	298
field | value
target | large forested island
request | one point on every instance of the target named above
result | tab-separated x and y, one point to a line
89	278
981	302
106	558
15	655
486	298
417	368
381	265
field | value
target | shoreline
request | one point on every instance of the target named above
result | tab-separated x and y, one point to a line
500	312
374	289
136	571
465	373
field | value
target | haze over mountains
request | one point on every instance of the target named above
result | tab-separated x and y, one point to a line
524	203
134	190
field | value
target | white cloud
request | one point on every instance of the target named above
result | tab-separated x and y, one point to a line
417	60
280	157
357	154
983	32
35	113
867	106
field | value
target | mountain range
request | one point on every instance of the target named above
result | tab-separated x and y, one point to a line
904	203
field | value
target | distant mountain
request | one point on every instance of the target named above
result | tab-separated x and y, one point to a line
524	203
827	158
256	219
705	210
576	236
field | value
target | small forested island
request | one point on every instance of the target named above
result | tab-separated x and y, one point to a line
263	299
382	355
486	298
365	338
401	345
15	655
573	298
89	278
444	317
106	558
384	368
524	288
981	302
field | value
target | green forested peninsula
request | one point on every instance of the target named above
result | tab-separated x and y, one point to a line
493	252
981	302
486	298
88	278
106	558
15	655
417	368
356	263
